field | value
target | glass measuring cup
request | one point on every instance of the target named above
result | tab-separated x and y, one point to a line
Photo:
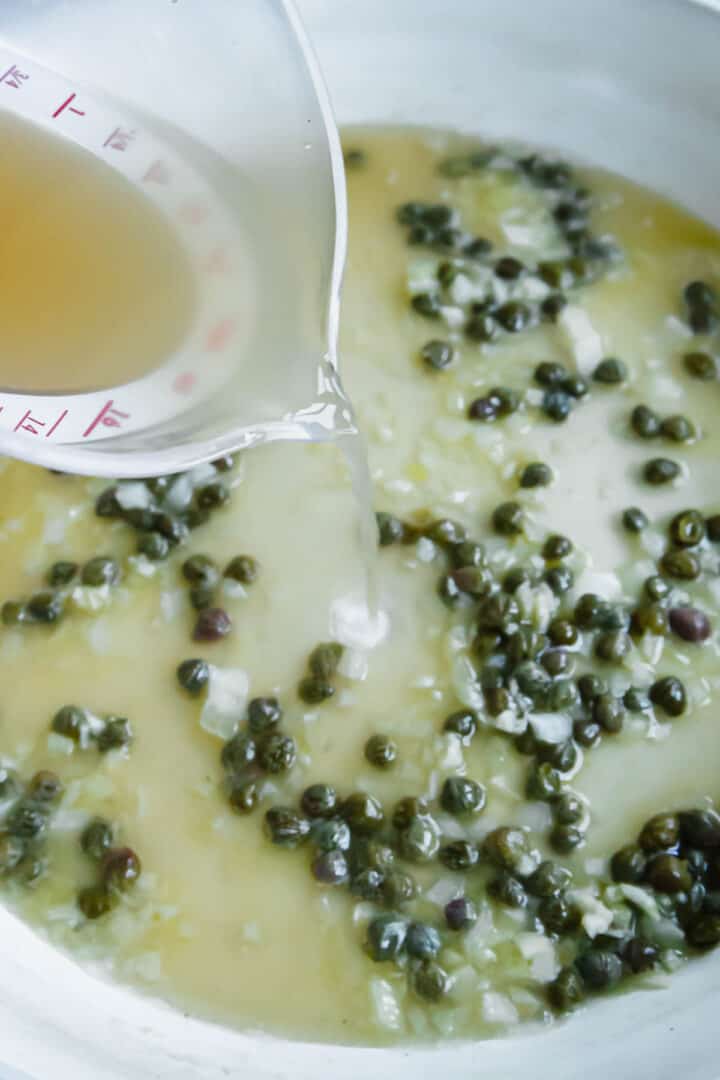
216	112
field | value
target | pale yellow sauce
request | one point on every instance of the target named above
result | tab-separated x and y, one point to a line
224	924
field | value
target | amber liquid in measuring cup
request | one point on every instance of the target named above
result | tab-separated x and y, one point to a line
95	288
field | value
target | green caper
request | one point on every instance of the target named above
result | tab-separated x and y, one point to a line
285	827
407	809
71	722
587	732
668	874
390	529
276	753
536	474
509	849
426	304
569	809
669	694
202	597
398	888
437	355
420	840
575	386
507	890
661	831
562	755
550	879
263	714
26	819
96	901
557	662
634	520
682	564
97	838
703	306
700	365
115	735
446	532
567	990
565	838
386	936
154	546
101	570
497	700
201	570
609	713
212	496
562	632
329	834
552	306
557	915
481	327
645	422
324	660
458	855
701	828
13	614
687	528
544	782
243	795
319	801
612	646
422	941
629	864
610	372
61	573
507	518
651	619
678	429
589	611
467	554
599	968
591	687
430	981
557	404
460	795
238	752
550	374
363	813
661	471
557	547
635	700
381	751
243	568
462	723
703	931
313	690
657	588
43	607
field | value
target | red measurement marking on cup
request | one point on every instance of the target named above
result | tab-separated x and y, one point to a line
220	335
32	424
108	417
14	78
119	139
68	104
193	213
184	383
158	173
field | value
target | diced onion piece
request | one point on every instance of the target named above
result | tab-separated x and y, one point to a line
134	495
385	1005
596	917
227	696
498	1009
583	339
551	727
